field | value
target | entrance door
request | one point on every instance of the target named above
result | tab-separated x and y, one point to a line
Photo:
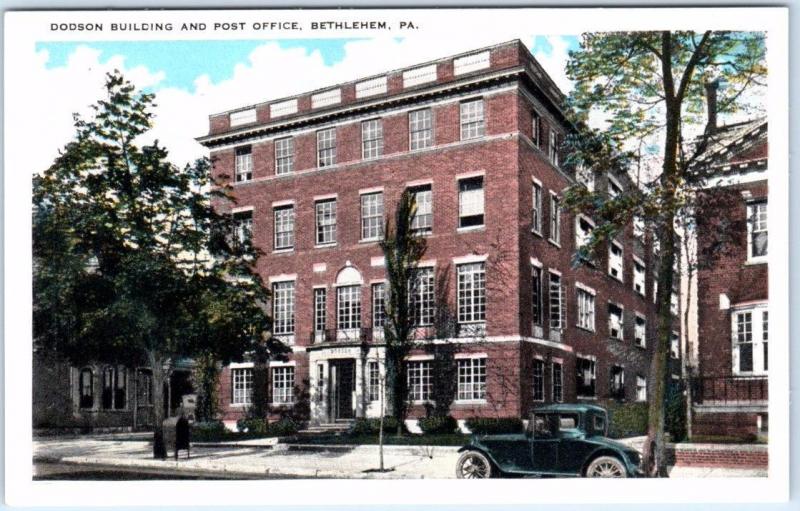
343	384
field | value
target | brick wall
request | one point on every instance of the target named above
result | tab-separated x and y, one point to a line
718	456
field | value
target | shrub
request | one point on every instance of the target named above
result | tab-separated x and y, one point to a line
284	427
208	431
494	425
363	426
252	426
260	427
437	425
626	419
675	414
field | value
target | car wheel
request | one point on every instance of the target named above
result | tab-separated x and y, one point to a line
606	466
473	465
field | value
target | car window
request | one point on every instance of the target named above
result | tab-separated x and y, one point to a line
599	424
542	426
567	422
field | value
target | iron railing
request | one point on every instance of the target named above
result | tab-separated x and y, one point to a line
728	389
344	335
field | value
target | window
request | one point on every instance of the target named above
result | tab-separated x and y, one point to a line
283	308
420	297
655	285
558	382
536	128
243	229
283	385
536	295
472	125
554	142
419	380
144	386
638	228
640	332
320	305
615	324
348	300
326	222
757	231
423	217
585	309
614	188
641	388
471	379
371	138
585	375
86	388
538	380
420	129
284	156
557	303
115	389
585	176
615	261
373	381
372	216
750	341
472	293
378	305
555	219
320	382
536	216
583	233
470	202
639	277
244	164
617	383
326	147
284	227
675	345
242	385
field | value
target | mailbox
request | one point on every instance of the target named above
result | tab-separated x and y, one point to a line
177	435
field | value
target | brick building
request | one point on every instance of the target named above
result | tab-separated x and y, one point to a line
506	321
732	338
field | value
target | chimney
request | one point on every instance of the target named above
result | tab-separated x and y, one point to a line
711	100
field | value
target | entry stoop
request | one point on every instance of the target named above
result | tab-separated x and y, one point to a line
328	428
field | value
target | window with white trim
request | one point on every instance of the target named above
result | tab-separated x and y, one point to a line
757	233
244	164
585	176
471	292
553	146
371	138
615	261
418	375
378	305
472	120
536	128
471	379
348	306
536	215
423	217
640	331
675	345
283	385
557	303
750	341
617	383
558	382
420	297
470	202
326	147
86	388
373	381
372	216
283	307
583	232
243	229
639	277
538	380
326	221
284	156
615	323
320	306
284	227
638	227
536	296
641	388
242	385
420	129
555	219
585	377
115	388
585	309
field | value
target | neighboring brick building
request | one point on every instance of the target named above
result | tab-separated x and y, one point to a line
506	320
730	393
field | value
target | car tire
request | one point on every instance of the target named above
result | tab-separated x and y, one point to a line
606	466
473	465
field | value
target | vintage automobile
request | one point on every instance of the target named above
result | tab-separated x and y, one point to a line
561	440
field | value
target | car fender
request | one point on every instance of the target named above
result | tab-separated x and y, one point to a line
482	451
605	450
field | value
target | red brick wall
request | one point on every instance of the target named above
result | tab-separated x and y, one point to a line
718	456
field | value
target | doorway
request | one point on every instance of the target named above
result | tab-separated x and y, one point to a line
343	386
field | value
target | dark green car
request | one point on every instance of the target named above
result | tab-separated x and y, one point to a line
562	440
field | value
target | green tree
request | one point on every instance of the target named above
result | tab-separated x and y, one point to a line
402	248
650	88
132	263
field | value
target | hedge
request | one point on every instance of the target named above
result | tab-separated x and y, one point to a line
208	431
626	419
283	427
494	425
437	425
362	426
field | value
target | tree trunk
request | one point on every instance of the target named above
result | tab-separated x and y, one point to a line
159	378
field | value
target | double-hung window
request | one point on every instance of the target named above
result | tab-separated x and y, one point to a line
420	129
472	120
86	388
640	331
470	202
585	309
472	293
115	388
471	379
555	219
583	234
757	234
373	381
420	297
284	156
243	229
283	385
320	306
553	146
615	322
536	212
538	380
283	308
536	297
242	385
348	304
557	303
423	216
326	147
326	221
615	260
585	376
378	306
372	216
371	138
617	383
558	382
419	380
641	388
284	227
750	330
639	277
536	128
244	164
